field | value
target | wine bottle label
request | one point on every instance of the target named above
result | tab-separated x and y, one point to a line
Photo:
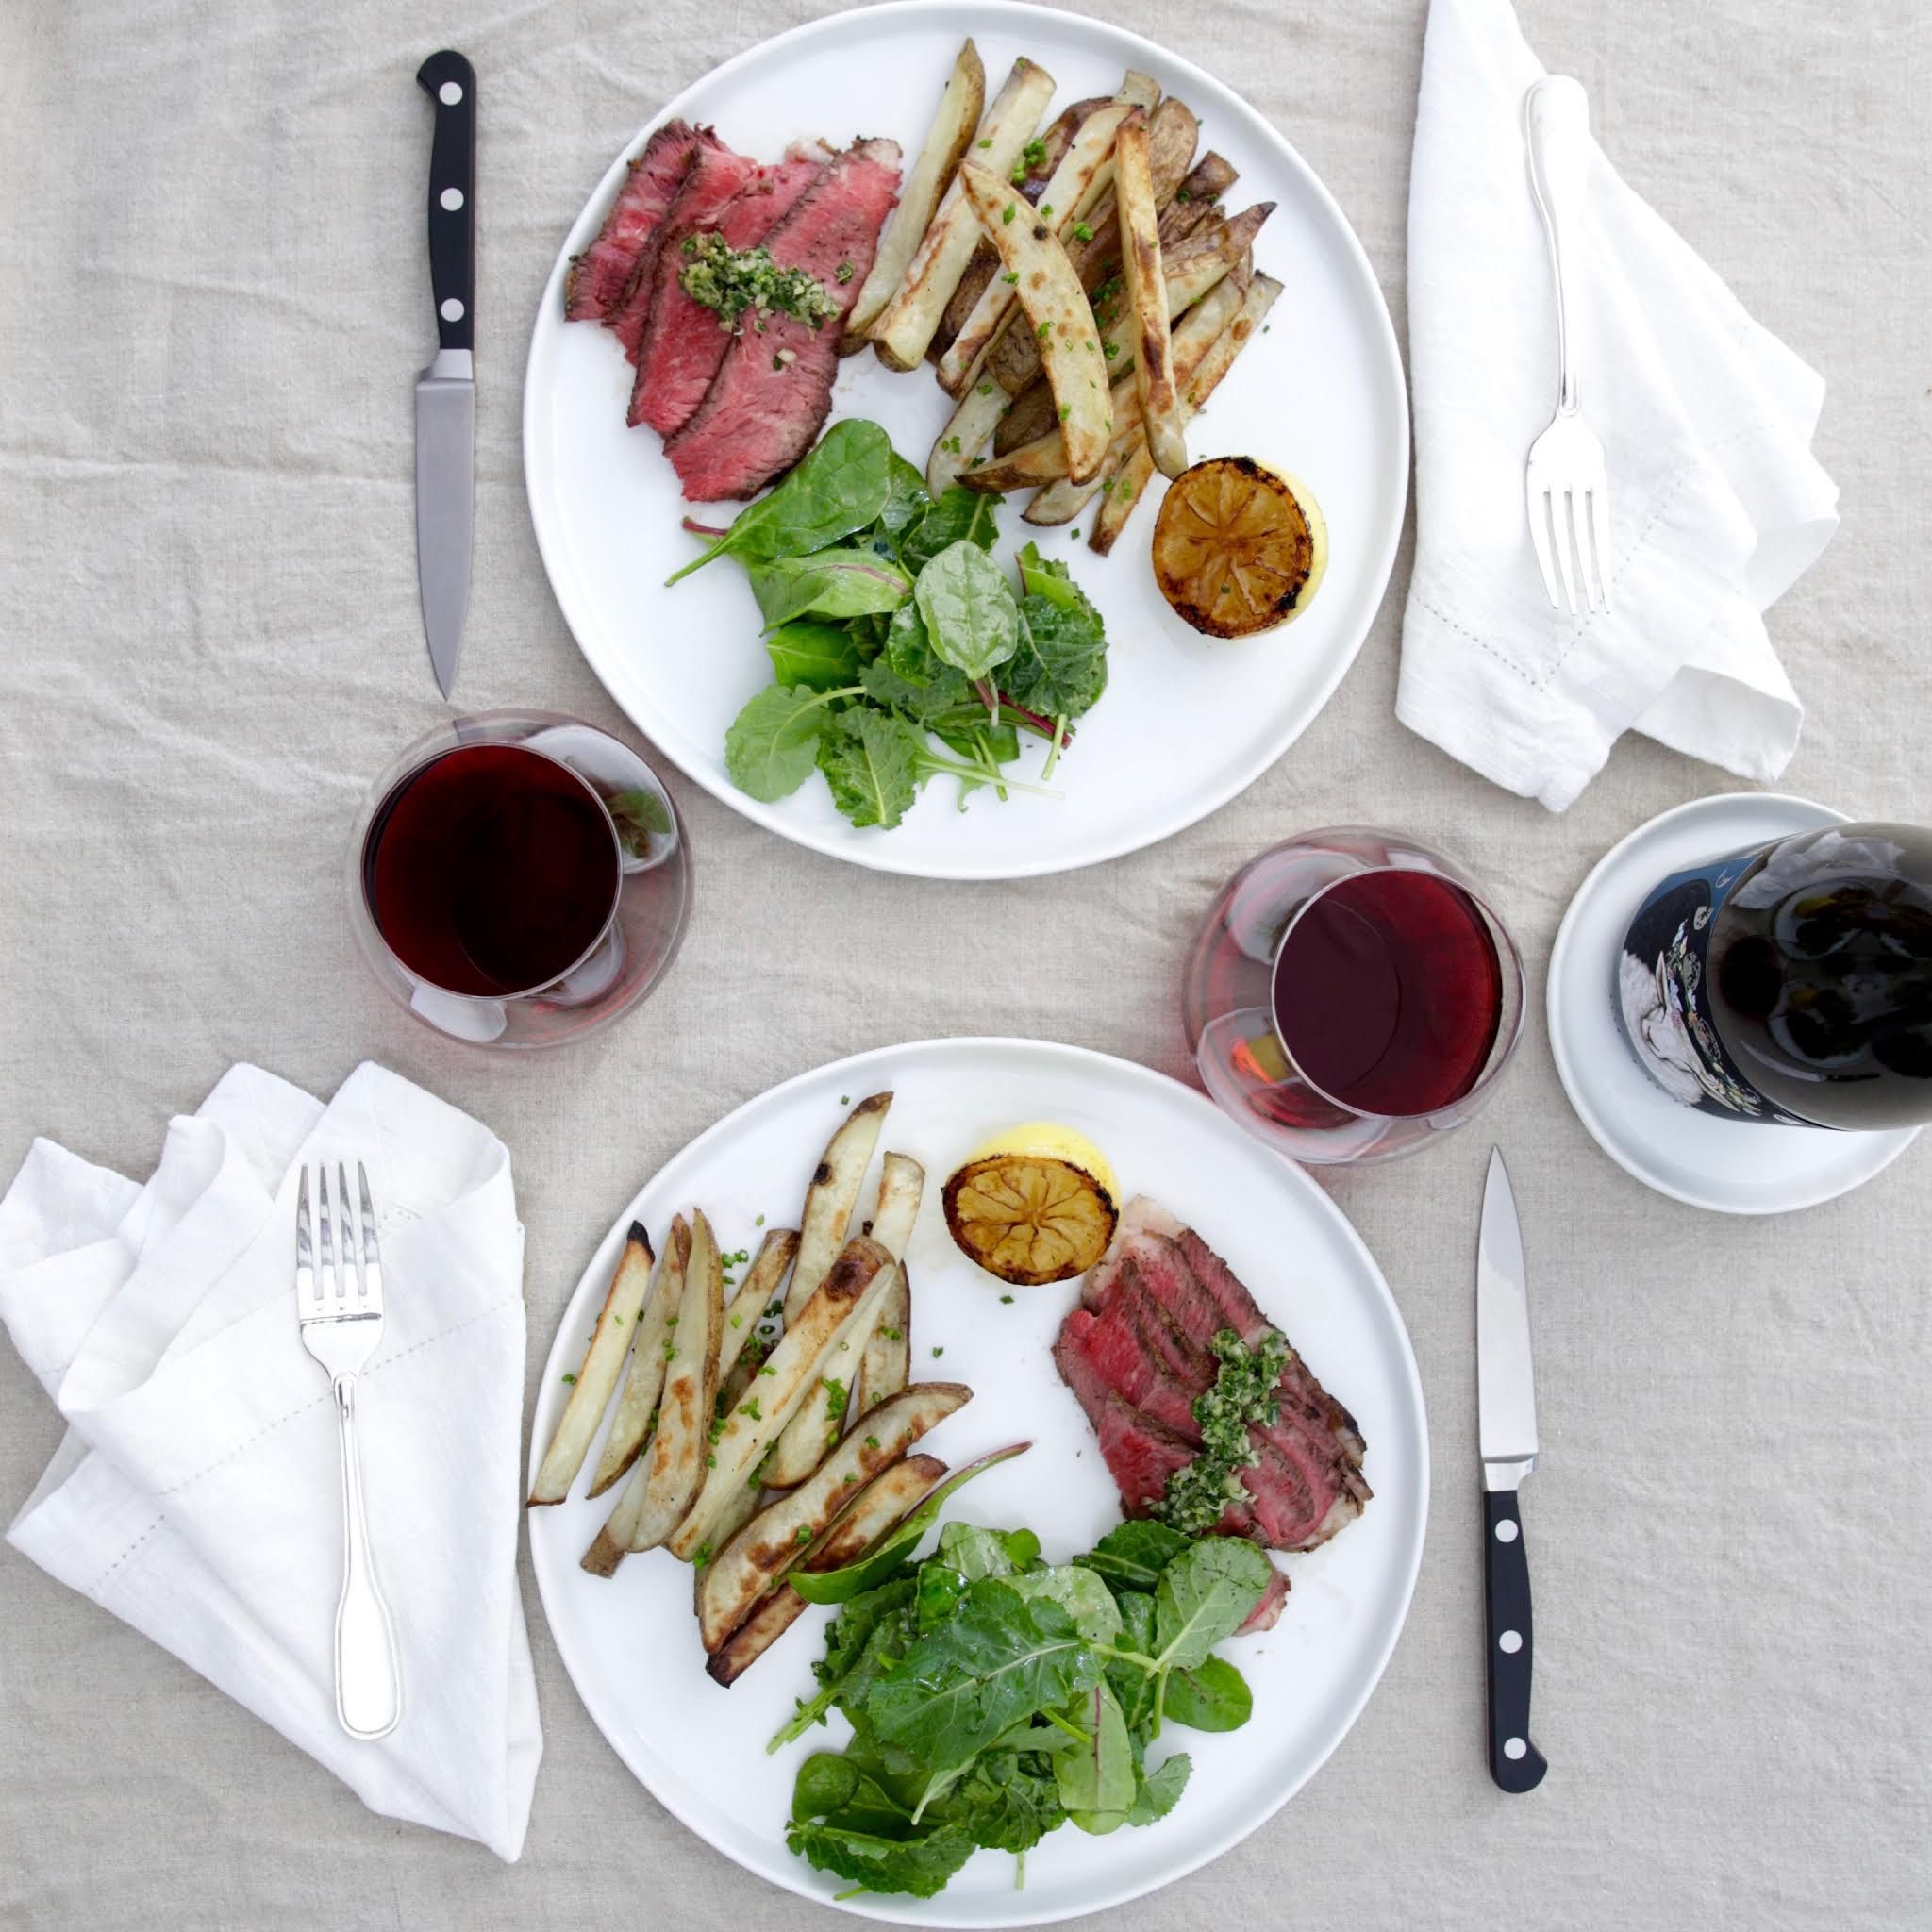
1660	995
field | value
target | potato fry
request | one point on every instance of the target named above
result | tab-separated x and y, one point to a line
831	1197
1147	299
816	1426
643	1380
965	435
882	1504
1137	469
756	1294
754	1562
1089	154
1056	306
676	1463
904	327
962	103
596	1377
844	1304
887	1364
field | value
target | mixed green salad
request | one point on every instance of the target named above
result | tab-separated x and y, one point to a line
900	649
994	1698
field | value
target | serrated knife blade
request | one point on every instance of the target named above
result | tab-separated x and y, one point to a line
1506	1381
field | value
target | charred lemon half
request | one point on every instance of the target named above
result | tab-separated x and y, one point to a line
1034	1204
1237	548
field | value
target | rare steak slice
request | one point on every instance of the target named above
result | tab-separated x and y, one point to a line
1141	1454
1112	1349
684	342
716	174
599	277
773	389
1266	1613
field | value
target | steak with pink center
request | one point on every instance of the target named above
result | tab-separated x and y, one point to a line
599	277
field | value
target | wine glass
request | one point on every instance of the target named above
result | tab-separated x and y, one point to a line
518	878
1351	995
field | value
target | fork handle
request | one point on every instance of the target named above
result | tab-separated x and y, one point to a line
1555	130
368	1682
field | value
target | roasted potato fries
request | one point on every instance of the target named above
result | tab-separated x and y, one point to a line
1147	298
643	1379
831	1197
756	1294
675	1465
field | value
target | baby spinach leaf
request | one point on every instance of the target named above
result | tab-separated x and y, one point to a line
960	516
1096	1770
817	656
868	757
1204	1596
838	489
907	497
971	618
841	582
1081	1594
1160	1791
910	651
773	743
1132	1557
919	1865
1135	1687
837	1787
1210	1696
999	1658
975	1552
940	1587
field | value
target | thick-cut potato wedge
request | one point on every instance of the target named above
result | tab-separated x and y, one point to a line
882	1504
1136	471
1092	150
887	1365
610	1339
1062	501
904	327
816	1426
844	1305
756	1559
947	143
1056	307
676	1463
756	1294
831	1197
965	435
1147	299
643	1380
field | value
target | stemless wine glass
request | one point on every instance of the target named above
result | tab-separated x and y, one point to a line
518	878
1350	995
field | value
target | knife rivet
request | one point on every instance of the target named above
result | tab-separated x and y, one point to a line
452	310
1514	1748
452	199
1510	1642
450	93
1505	1532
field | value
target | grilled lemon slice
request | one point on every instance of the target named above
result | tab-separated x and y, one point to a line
1034	1204
1237	549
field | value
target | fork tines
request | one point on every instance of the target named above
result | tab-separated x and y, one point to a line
1572	512
348	1284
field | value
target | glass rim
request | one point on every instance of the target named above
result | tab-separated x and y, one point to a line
1501	1051
380	817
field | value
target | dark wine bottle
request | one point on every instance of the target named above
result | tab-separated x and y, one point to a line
1790	984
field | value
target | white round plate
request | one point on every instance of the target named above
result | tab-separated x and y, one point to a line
631	1644
1186	721
1731	1166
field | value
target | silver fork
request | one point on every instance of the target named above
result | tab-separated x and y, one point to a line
340	1311
1566	486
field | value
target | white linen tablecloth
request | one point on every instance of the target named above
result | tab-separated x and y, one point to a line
211	306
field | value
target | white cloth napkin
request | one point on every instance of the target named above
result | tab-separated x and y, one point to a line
1716	503
196	1495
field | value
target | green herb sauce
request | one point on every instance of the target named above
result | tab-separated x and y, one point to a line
1198	1494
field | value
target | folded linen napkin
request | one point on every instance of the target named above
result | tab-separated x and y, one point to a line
197	1496
1716	503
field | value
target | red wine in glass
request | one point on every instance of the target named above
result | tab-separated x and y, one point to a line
1350	995
492	869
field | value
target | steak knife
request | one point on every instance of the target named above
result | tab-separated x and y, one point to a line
447	391
1505	1410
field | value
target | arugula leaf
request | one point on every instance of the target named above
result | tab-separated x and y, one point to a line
971	618
907	497
1081	1594
868	759
1160	1791
918	1865
1211	1696
1132	1557
925	705
773	743
1008	1800
960	515
870	1634
841	582
997	1661
838	489
1135	1687
1204	1596
1094	1770
817	656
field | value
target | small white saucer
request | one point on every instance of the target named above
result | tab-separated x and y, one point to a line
1731	1166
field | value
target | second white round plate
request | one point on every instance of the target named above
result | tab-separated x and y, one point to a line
1186	721
631	1645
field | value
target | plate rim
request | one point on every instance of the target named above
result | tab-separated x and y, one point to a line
880	855
1556	1004
1295	1177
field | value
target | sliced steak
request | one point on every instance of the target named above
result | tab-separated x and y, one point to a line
1237	1308
1141	1454
1267	1612
684	342
775	388
1112	1351
599	277
716	174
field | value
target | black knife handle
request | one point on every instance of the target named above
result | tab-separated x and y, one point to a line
1515	1763
450	82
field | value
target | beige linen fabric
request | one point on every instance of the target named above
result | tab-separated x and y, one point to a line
212	304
